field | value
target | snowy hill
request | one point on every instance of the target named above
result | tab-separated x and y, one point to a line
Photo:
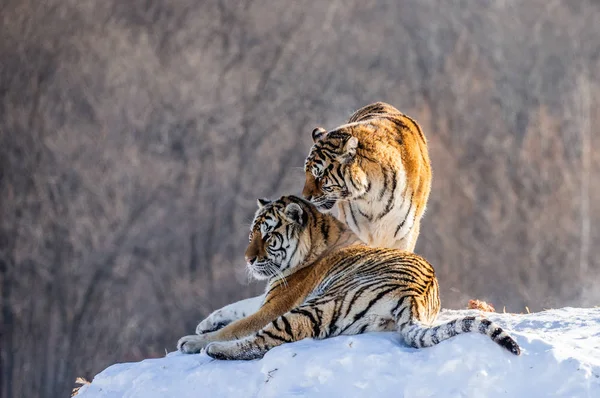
560	357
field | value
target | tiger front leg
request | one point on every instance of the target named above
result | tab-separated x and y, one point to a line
238	329
230	313
235	318
193	343
298	324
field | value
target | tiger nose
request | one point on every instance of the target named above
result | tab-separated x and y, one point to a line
250	259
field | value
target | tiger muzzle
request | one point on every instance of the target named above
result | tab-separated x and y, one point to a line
255	250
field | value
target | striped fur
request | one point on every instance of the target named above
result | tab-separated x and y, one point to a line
376	169
324	283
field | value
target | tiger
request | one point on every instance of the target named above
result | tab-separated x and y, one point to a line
324	282
376	168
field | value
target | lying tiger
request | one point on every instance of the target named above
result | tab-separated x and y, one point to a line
323	282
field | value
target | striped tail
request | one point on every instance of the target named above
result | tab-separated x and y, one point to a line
418	336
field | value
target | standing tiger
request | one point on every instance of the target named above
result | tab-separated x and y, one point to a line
323	282
376	168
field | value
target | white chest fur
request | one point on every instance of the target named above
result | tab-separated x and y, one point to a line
385	217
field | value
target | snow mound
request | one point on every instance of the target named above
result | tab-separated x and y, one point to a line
560	357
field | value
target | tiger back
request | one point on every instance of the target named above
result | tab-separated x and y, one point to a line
376	168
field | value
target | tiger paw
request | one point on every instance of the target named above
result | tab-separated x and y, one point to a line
192	344
222	350
215	321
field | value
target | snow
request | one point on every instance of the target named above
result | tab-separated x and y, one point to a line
560	357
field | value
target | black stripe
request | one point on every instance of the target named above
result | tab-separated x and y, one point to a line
406	216
496	333
371	304
400	302
408	274
294	251
276	326
484	326
385	183
451	328
390	202
511	345
357	294
325	230
275	337
286	325
467	324
337	134
434	336
400	126
372	160
337	309
317	325
310	316
259	335
422	337
417	127
353	217
351	182
338	172
367	216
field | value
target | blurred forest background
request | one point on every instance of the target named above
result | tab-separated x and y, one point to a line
136	135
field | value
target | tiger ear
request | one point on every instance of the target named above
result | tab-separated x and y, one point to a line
349	152
318	133
261	202
294	213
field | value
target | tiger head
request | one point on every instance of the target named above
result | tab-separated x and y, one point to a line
278	237
332	172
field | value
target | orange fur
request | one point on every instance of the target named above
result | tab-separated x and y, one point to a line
390	166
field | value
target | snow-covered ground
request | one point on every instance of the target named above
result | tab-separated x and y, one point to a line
560	357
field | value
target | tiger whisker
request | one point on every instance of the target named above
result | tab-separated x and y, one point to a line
281	277
274	272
